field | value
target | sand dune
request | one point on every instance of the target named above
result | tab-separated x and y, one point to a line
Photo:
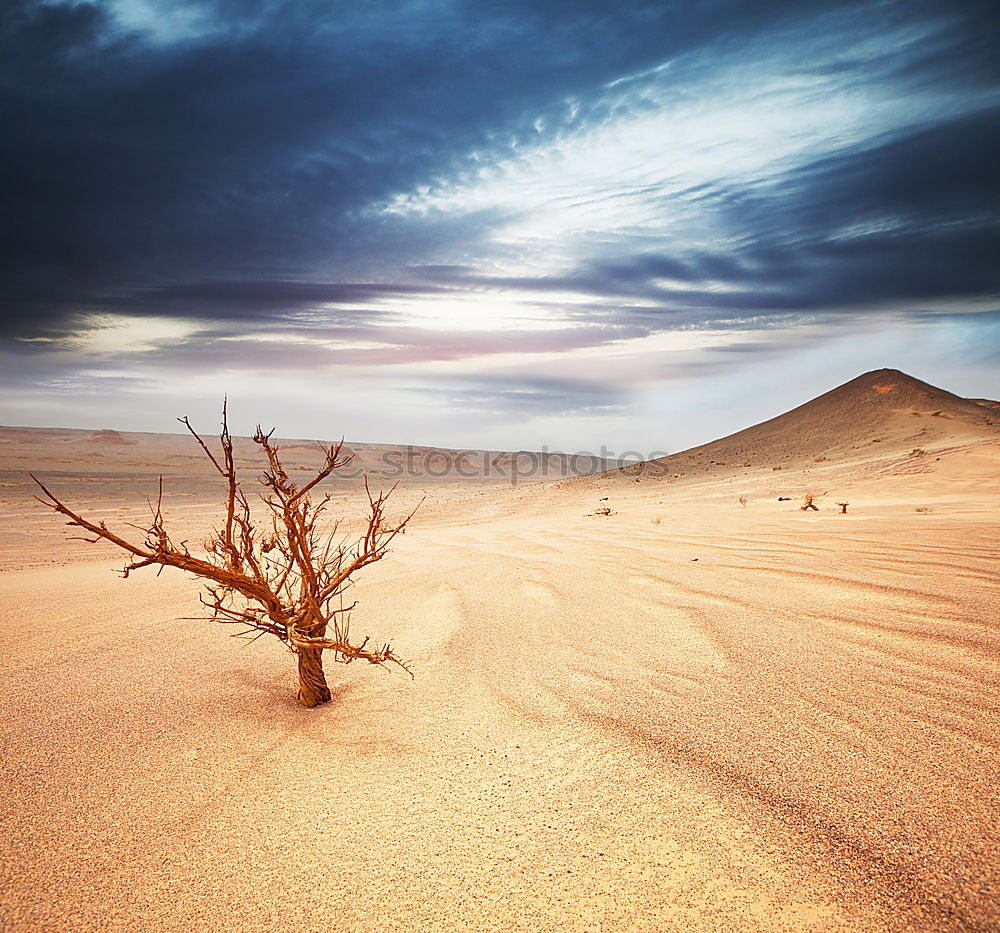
878	411
690	715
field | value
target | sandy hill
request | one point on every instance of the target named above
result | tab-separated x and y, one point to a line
883	410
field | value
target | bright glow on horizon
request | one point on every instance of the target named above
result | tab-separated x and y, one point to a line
121	333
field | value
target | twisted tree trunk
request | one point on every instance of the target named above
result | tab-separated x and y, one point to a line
312	681
285	578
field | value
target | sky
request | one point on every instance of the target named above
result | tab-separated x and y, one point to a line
578	224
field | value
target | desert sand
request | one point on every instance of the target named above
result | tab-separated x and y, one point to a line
695	713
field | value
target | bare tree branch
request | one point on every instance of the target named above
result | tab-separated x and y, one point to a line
286	581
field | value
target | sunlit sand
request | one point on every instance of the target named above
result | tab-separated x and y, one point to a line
707	710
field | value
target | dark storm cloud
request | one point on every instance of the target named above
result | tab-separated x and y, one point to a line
251	146
915	216
910	219
229	166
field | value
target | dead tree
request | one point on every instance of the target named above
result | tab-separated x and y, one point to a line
284	576
809	504
843	507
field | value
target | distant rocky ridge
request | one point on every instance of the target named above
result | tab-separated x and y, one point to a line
108	450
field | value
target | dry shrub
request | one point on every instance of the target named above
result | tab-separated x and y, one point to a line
283	577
